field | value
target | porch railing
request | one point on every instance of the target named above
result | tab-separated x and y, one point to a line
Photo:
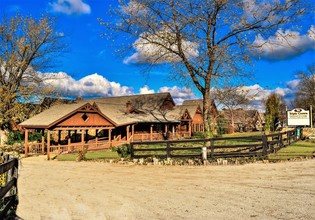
100	143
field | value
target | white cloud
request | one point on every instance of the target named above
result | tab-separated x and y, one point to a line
71	7
92	85
134	8
285	44
146	90
293	84
258	94
95	85
148	50
179	94
256	10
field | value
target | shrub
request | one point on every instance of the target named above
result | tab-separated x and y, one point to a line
199	135
81	154
15	137
18	137
123	150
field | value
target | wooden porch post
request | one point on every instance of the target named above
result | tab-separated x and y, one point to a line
69	142
132	131
173	131
151	132
26	143
59	136
48	145
82	137
127	130
43	145
110	137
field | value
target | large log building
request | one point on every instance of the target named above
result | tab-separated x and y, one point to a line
116	120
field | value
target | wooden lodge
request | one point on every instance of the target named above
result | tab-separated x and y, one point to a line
194	108
243	120
108	122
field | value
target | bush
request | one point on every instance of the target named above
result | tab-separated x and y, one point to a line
15	137
81	154
18	137
199	135
123	150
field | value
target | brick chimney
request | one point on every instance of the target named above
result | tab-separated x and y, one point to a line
128	107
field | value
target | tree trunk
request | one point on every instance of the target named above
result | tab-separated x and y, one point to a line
206	113
232	121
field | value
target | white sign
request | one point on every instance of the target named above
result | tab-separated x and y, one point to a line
298	117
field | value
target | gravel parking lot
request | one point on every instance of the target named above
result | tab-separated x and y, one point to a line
96	190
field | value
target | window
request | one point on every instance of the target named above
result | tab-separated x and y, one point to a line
85	117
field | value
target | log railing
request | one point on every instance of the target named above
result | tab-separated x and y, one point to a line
214	147
8	185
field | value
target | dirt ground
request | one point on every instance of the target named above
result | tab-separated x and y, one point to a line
95	190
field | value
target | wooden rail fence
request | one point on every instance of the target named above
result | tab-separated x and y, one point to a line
215	147
8	185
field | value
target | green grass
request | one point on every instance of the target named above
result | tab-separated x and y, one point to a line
244	134
92	155
297	150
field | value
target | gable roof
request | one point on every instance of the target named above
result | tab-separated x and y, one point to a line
192	106
49	116
150	109
241	115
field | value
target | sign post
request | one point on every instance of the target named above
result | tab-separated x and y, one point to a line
311	109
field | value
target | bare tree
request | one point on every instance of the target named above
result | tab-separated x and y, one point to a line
27	45
305	94
231	98
205	40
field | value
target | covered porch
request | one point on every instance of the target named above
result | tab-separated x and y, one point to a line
66	140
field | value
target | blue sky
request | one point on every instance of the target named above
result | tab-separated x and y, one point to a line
91	59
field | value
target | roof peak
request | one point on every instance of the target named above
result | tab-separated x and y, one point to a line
131	96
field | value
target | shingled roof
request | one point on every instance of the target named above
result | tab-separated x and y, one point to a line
49	116
142	108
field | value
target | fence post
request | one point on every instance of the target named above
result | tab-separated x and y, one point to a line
168	149
264	145
280	140
212	148
204	152
131	150
289	137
